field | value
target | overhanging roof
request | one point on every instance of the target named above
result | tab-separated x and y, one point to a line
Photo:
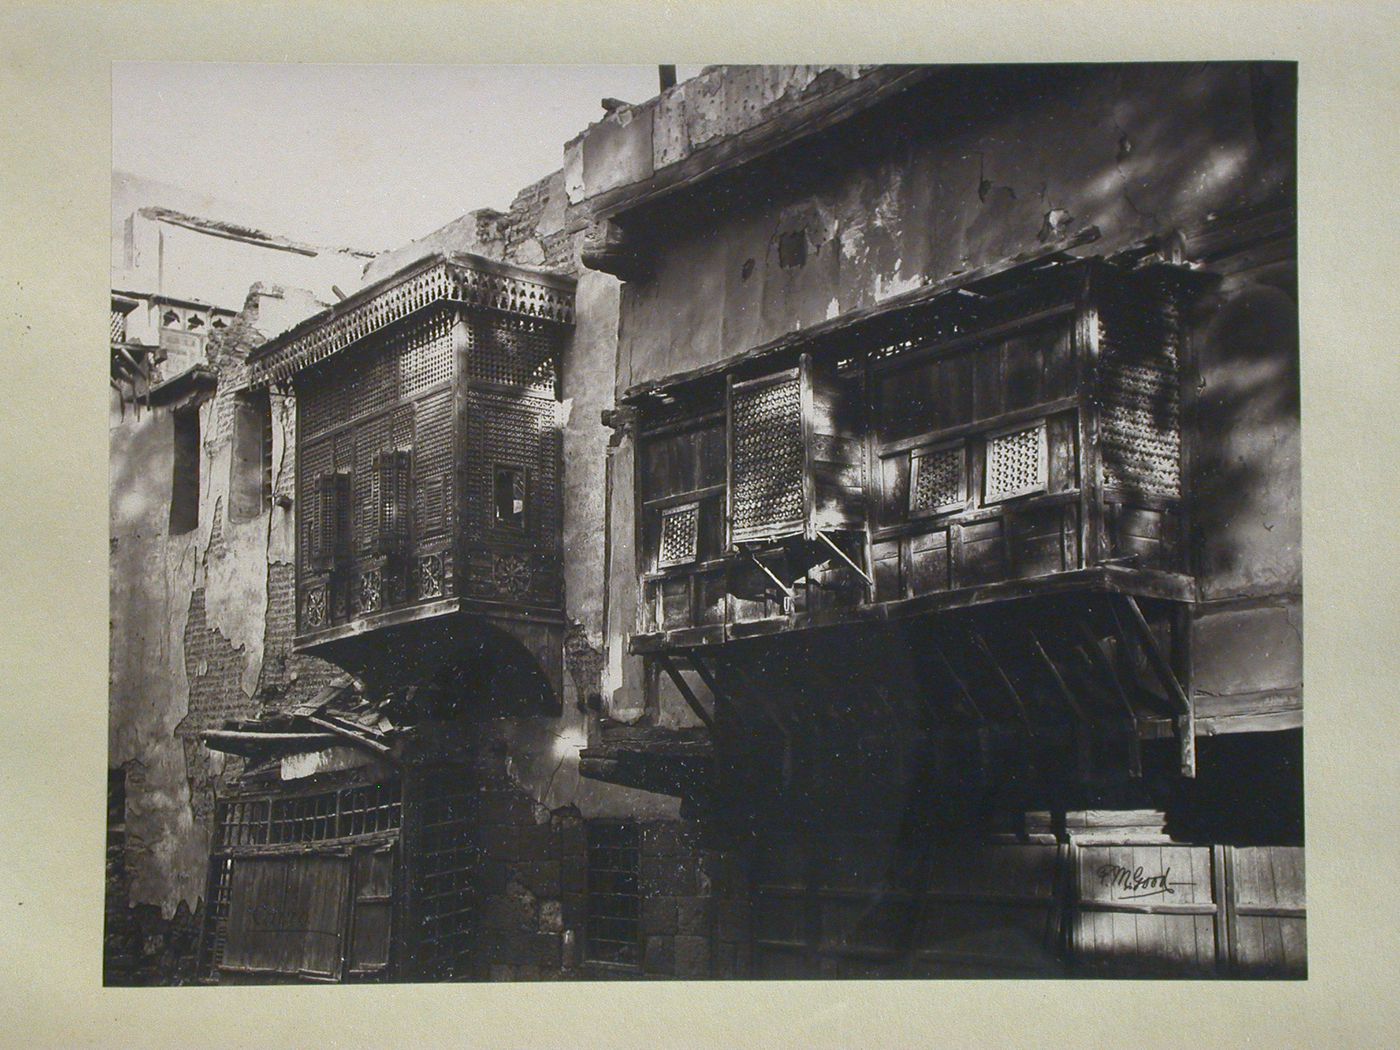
470	280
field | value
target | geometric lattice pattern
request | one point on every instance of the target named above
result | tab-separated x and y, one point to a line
938	479
1016	462
680	533
767	455
512	352
1140	421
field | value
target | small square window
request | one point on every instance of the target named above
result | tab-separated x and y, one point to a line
509	498
680	534
1016	462
937	479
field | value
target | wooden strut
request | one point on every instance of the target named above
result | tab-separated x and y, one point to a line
980	644
1083	742
984	747
692	701
1101	660
723	727
1186	715
770	574
869	581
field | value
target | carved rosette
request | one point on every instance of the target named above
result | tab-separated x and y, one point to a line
511	574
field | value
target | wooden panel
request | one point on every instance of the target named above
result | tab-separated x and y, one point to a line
929	562
889	583
1023	366
1059	376
982	556
675	603
1267	883
1037	541
371	924
286	914
988	389
989	910
894	488
1062	452
1145	909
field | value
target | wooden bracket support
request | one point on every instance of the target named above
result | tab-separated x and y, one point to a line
1186	713
692	701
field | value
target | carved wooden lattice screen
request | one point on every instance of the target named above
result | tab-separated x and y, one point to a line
766	457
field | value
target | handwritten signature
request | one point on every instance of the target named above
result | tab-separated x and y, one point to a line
1132	884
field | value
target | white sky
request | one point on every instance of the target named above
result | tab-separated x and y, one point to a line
369	156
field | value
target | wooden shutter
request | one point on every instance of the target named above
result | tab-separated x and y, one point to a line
330	519
394	473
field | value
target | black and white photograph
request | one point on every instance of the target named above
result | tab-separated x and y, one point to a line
727	522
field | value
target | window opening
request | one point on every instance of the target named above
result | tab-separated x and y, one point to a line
938	480
184	481
250	466
508	488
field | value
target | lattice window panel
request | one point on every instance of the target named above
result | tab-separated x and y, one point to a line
766	458
371	438
425	355
118	326
393	497
313	460
511	353
1016	462
330	517
680	535
243	822
360	810
938	479
1140	427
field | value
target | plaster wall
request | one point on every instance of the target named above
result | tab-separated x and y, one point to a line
978	166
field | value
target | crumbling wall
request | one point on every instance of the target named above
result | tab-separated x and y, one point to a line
193	616
532	885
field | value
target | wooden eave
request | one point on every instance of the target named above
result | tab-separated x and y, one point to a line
264	366
651	758
195	382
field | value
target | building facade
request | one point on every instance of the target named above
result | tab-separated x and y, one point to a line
959	508
844	523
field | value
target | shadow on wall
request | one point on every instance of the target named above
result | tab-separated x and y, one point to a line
1247	466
